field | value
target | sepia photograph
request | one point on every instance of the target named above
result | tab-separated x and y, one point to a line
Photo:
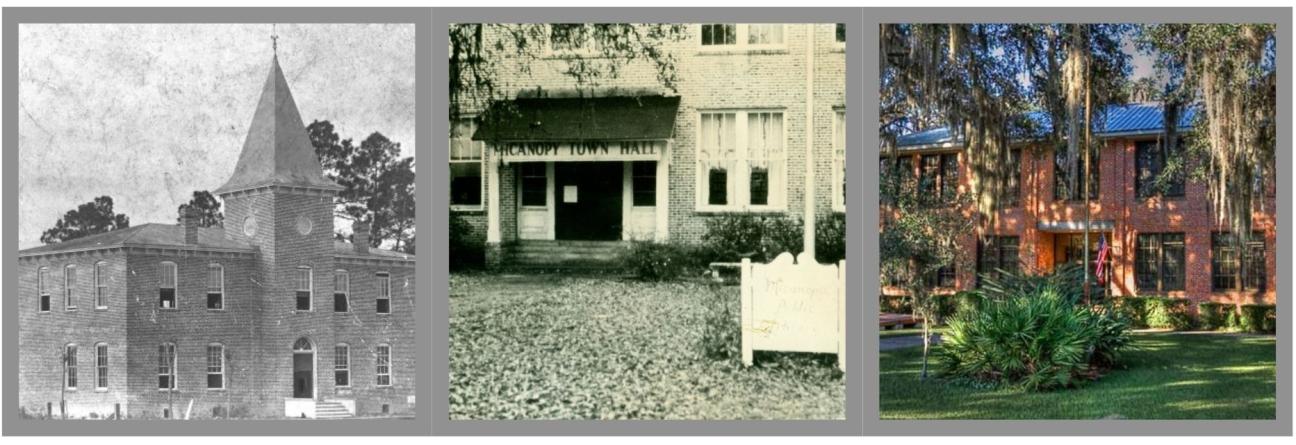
216	221
647	221
1078	221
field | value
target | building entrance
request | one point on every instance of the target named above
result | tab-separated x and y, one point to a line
589	200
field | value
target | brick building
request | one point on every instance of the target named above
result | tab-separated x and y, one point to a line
267	316
1165	241
559	169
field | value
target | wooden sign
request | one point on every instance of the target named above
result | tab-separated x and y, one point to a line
539	151
794	306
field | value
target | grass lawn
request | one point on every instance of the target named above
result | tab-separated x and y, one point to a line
553	347
1167	376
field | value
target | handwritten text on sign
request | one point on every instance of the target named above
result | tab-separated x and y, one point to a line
580	151
794	306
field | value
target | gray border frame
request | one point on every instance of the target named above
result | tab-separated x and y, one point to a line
420	18
441	425
1281	425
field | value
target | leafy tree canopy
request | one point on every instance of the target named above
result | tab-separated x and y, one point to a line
378	184
87	219
209	209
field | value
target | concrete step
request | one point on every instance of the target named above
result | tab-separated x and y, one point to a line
331	410
562	254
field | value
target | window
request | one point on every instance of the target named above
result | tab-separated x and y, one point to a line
1012	189
741	170
535	184
997	253
1150	160
938	181
304	288
1061	173
465	165
643	176
943	277
341	287
949	174
839	160
101	285
840	36
1236	268
716	34
908	180
1159	262
215	286
167	285
342	365
101	366
69	287
739	36
384	293
166	367
215	366
42	290
70	366
384	365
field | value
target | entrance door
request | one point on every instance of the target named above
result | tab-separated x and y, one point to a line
303	370
1069	249
589	200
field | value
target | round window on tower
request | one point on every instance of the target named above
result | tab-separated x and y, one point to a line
250	226
304	225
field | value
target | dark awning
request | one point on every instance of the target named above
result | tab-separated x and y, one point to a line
1075	226
579	119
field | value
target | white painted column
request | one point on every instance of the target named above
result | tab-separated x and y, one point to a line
492	201
627	199
551	202
661	232
808	238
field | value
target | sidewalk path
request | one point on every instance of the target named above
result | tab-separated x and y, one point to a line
908	341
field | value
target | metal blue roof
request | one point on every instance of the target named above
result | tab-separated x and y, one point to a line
1130	119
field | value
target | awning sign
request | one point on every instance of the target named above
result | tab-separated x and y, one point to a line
529	151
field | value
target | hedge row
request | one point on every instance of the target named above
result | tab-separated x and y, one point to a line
1173	313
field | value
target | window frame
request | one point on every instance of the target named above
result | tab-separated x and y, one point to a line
220	347
384	282
69	287
342	364
168	357
638	172
70	369
996	244
742	37
101	366
383	361
101	285
175	285
345	291
839	147
525	171
309	290
481	169
1143	190
1243	261
1095	173
1155	245
738	178
220	292
43	303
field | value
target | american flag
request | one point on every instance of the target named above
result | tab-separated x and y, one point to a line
1103	249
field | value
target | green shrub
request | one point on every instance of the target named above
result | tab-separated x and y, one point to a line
895	304
654	261
1213	316
467	249
966	302
1035	341
1133	310
1064	281
830	238
721	328
1172	313
1233	322
1258	318
730	238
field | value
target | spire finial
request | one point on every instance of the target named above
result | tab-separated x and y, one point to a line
274	39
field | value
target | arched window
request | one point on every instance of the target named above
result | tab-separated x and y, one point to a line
302	345
167	277
69	287
215	286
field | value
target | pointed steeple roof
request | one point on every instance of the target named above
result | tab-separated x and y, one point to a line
277	150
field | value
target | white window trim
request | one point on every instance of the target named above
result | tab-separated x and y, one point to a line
224	301
739	201
101	282
42	290
175	361
389	374
207	365
384	276
102	374
549	184
839	164
310	288
347	368
175	280
71	372
481	205
586	50
346	292
741	36
69	284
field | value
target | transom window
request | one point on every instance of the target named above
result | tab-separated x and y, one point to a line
167	285
1159	262
342	365
384	293
741	161
304	288
101	366
215	366
42	290
383	362
70	366
69	287
466	185
341	287
741	36
101	285
215	286
166	367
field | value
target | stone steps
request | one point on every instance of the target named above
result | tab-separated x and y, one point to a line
581	255
331	410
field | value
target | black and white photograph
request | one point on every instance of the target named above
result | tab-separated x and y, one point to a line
647	220
216	221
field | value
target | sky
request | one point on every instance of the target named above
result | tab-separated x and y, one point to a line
149	113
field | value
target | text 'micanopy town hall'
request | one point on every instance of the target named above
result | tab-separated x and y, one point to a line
267	316
557	168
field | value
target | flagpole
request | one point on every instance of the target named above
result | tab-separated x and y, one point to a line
1085	200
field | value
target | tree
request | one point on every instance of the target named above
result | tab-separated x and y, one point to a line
378	185
87	219
209	209
1229	71
479	54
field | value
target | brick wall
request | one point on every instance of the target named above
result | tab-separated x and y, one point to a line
363	329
